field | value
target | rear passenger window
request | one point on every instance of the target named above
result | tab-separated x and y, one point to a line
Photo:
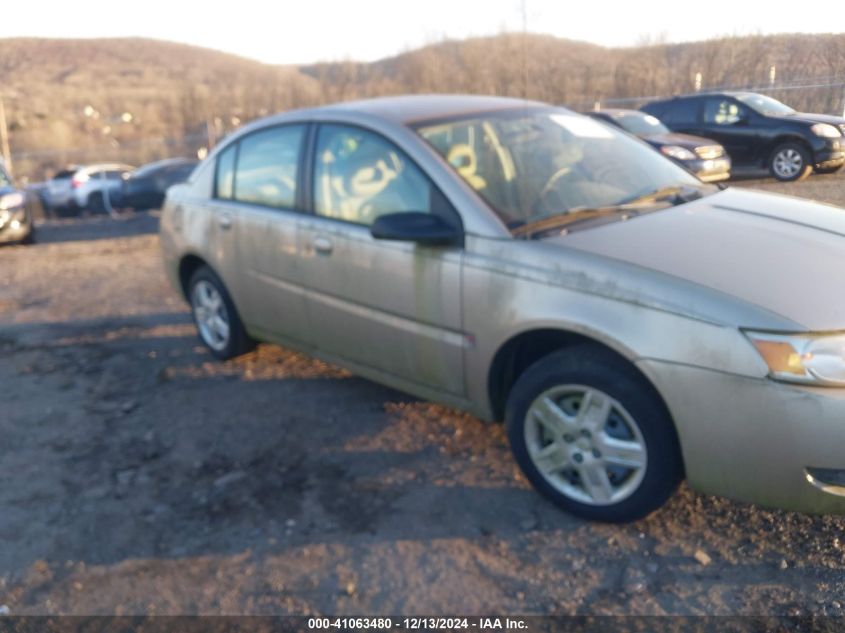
680	113
225	184
267	167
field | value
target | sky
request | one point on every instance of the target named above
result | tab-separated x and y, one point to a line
285	32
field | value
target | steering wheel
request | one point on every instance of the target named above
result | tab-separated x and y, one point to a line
543	203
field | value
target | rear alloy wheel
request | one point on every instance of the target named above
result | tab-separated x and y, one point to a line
790	162
215	316
592	436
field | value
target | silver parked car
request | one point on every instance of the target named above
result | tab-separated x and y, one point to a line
632	325
92	187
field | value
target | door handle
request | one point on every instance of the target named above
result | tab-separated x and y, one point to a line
225	221
323	245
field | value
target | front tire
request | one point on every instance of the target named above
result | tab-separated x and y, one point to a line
790	162
592	435
219	326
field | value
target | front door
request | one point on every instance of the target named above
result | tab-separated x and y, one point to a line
730	123
392	306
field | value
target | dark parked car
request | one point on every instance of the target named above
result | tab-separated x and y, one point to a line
92	188
701	156
145	187
758	131
15	218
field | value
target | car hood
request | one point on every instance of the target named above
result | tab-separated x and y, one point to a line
805	117
784	255
687	141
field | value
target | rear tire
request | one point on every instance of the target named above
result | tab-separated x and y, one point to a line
218	323
592	435
790	162
96	204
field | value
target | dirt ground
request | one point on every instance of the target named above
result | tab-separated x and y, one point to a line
138	476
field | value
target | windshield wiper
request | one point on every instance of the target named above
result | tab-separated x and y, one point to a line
631	207
675	194
572	216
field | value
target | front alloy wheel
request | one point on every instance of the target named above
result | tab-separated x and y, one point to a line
585	444
593	436
790	162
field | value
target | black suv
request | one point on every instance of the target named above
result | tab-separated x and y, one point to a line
758	131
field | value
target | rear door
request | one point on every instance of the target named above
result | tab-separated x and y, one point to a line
266	186
260	203
680	115
391	306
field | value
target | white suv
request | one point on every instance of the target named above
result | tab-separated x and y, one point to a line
91	187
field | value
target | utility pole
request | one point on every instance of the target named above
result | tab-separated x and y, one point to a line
211	133
523	6
4	137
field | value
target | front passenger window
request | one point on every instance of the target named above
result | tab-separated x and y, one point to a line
722	112
359	176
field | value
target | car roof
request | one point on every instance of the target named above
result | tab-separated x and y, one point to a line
709	93
166	162
615	112
103	166
407	109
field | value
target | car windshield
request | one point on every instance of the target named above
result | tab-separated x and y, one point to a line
765	105
534	164
640	124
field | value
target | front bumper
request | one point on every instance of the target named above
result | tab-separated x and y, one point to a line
710	170
832	154
755	439
15	226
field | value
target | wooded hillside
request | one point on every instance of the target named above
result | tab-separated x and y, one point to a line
137	100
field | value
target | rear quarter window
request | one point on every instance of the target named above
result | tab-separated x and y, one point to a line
681	112
224	186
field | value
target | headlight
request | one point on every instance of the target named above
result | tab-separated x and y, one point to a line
678	152
11	200
825	130
807	358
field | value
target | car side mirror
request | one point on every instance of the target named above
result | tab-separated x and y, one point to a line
415	226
